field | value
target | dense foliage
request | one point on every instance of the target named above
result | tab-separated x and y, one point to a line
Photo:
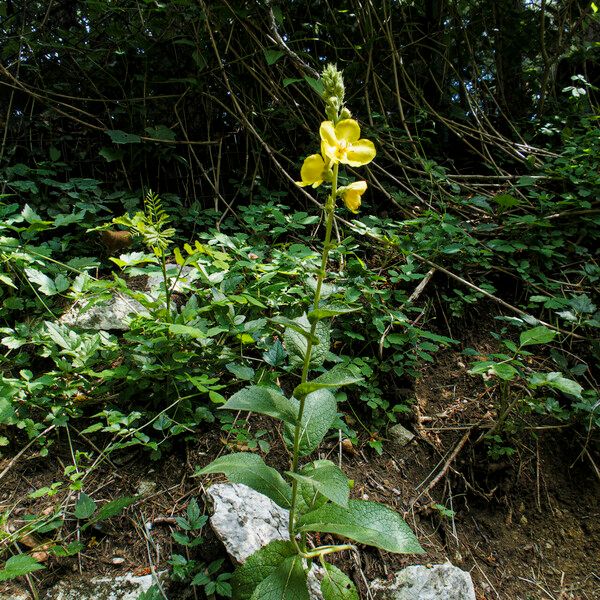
485	118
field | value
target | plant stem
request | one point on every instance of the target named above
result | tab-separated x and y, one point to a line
163	266
329	210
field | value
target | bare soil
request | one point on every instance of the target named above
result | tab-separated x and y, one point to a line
526	526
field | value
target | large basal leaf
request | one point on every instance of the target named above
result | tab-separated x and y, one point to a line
326	479
364	522
320	410
557	381
296	343
259	566
287	582
336	585
335	378
251	470
265	401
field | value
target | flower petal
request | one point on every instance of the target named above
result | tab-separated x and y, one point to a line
329	151
312	169
351	195
348	130
361	153
327	132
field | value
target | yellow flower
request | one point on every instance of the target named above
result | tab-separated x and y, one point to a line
341	144
351	195
314	171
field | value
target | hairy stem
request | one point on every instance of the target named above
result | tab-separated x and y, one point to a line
329	210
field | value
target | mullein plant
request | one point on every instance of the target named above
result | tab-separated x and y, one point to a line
315	493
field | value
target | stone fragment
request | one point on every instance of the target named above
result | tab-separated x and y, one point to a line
439	582
399	435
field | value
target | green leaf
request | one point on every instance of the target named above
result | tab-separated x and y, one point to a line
120	137
19	565
335	378
259	566
315	84
7	412
275	355
272	56
111	154
325	478
264	401
336	585
85	507
240	371
320	410
194	332
557	381
325	312
537	335
160	132
111	509
489	367
364	522
46	285
287	582
298	325
296	341
290	81
251	470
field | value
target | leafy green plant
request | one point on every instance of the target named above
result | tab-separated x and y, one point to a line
187	569
317	493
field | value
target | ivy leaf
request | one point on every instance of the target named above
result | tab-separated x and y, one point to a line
320	410
251	470
336	585
335	378
272	56
537	335
19	565
264	401
364	522
259	566
326	479
85	507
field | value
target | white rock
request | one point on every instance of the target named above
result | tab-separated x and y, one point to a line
178	284
245	521
126	587
114	314
440	582
15	594
399	435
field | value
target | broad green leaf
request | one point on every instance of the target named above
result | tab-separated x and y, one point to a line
335	378
287	582
240	371
264	401
85	507
46	285
320	410
160	132
315	84
111	154
298	325
19	565
120	137
336	585
7	411
251	470
364	522
557	381
259	566
296	342
489	367
272	56
325	312
194	332
537	335
327	479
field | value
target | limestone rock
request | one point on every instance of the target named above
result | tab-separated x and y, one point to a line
126	587
440	582
113	315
